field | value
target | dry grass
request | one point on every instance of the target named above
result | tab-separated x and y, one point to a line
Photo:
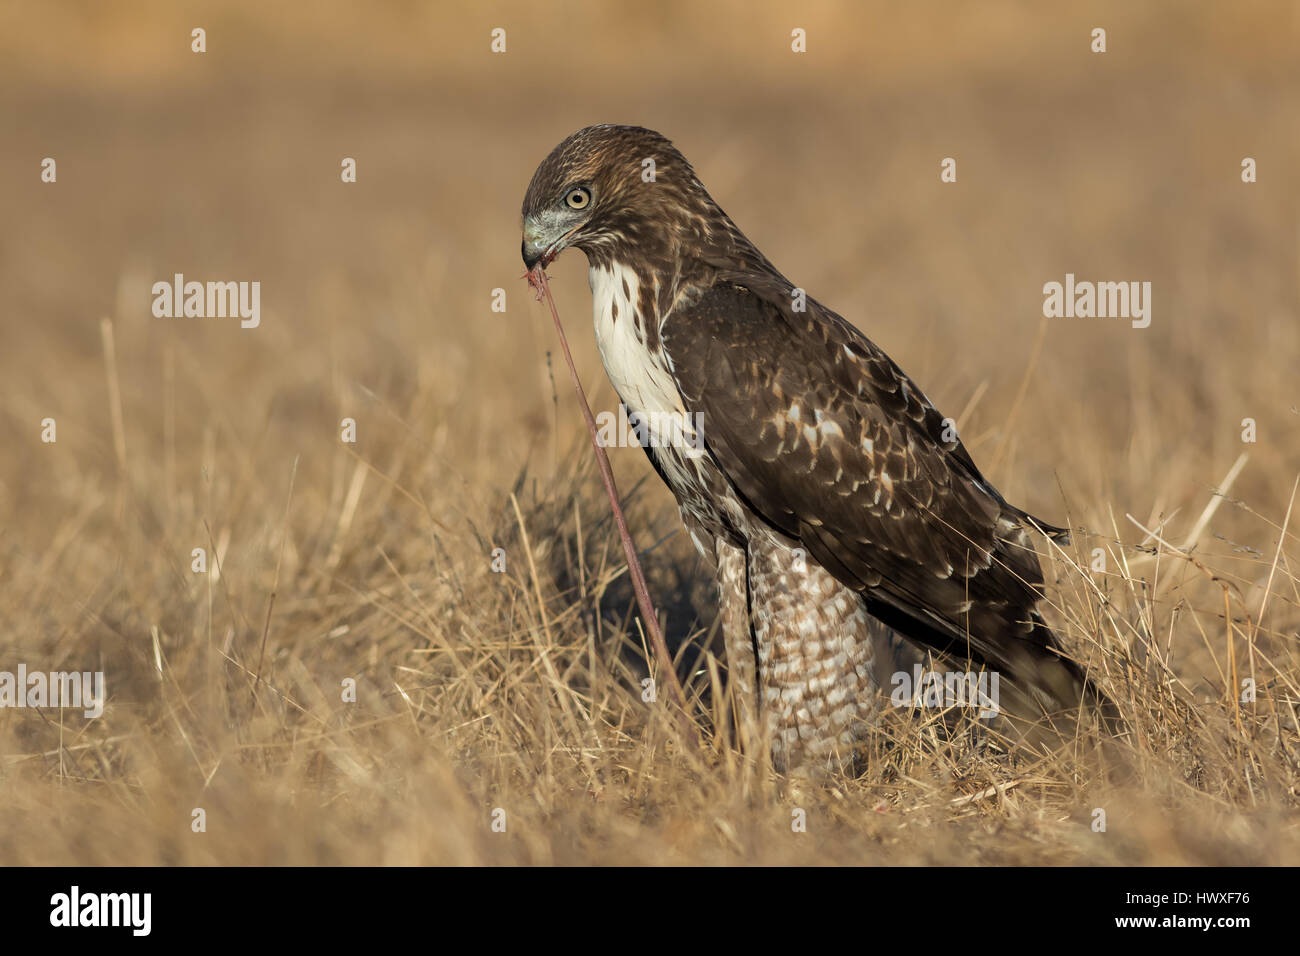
372	561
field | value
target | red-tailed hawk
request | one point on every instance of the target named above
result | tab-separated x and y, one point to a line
833	499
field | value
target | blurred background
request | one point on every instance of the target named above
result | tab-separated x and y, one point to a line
376	296
225	165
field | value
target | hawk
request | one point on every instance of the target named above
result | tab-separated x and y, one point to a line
834	501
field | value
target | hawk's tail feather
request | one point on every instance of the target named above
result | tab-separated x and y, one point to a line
1060	688
1043	693
1057	534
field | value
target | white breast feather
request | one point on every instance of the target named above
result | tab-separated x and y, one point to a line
644	385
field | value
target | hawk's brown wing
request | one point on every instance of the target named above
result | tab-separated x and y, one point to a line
827	440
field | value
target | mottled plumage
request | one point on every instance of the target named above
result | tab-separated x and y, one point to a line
830	496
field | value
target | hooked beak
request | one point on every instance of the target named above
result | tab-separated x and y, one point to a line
533	254
538	247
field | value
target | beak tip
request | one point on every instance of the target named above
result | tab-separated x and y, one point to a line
533	254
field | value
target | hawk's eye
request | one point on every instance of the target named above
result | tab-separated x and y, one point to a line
579	197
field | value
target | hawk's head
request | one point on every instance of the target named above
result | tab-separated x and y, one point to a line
611	187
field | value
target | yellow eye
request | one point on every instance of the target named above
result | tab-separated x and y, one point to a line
578	198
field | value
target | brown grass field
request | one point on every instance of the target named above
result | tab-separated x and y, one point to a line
520	691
